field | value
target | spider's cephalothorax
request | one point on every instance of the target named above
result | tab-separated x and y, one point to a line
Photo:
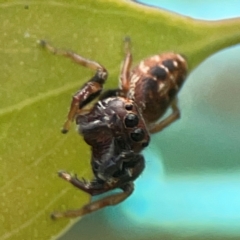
117	126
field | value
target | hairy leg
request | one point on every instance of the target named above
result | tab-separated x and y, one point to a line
175	115
97	205
89	90
125	70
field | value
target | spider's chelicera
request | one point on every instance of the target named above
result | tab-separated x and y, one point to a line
118	125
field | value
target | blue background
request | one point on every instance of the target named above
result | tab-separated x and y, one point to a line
200	9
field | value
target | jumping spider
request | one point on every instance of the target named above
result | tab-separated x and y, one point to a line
117	127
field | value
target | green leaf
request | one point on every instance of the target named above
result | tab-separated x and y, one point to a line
36	89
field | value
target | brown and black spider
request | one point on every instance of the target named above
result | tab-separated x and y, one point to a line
117	127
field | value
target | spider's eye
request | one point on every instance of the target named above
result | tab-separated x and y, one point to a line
131	120
137	135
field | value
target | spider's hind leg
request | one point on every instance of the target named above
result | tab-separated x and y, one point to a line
175	115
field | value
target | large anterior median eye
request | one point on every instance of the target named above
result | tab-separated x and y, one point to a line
137	135
131	120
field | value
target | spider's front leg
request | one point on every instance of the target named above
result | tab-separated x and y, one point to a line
132	166
123	180
94	188
97	205
89	90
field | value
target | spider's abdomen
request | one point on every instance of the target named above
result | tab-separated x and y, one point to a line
155	82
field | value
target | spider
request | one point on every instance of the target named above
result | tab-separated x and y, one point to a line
119	124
